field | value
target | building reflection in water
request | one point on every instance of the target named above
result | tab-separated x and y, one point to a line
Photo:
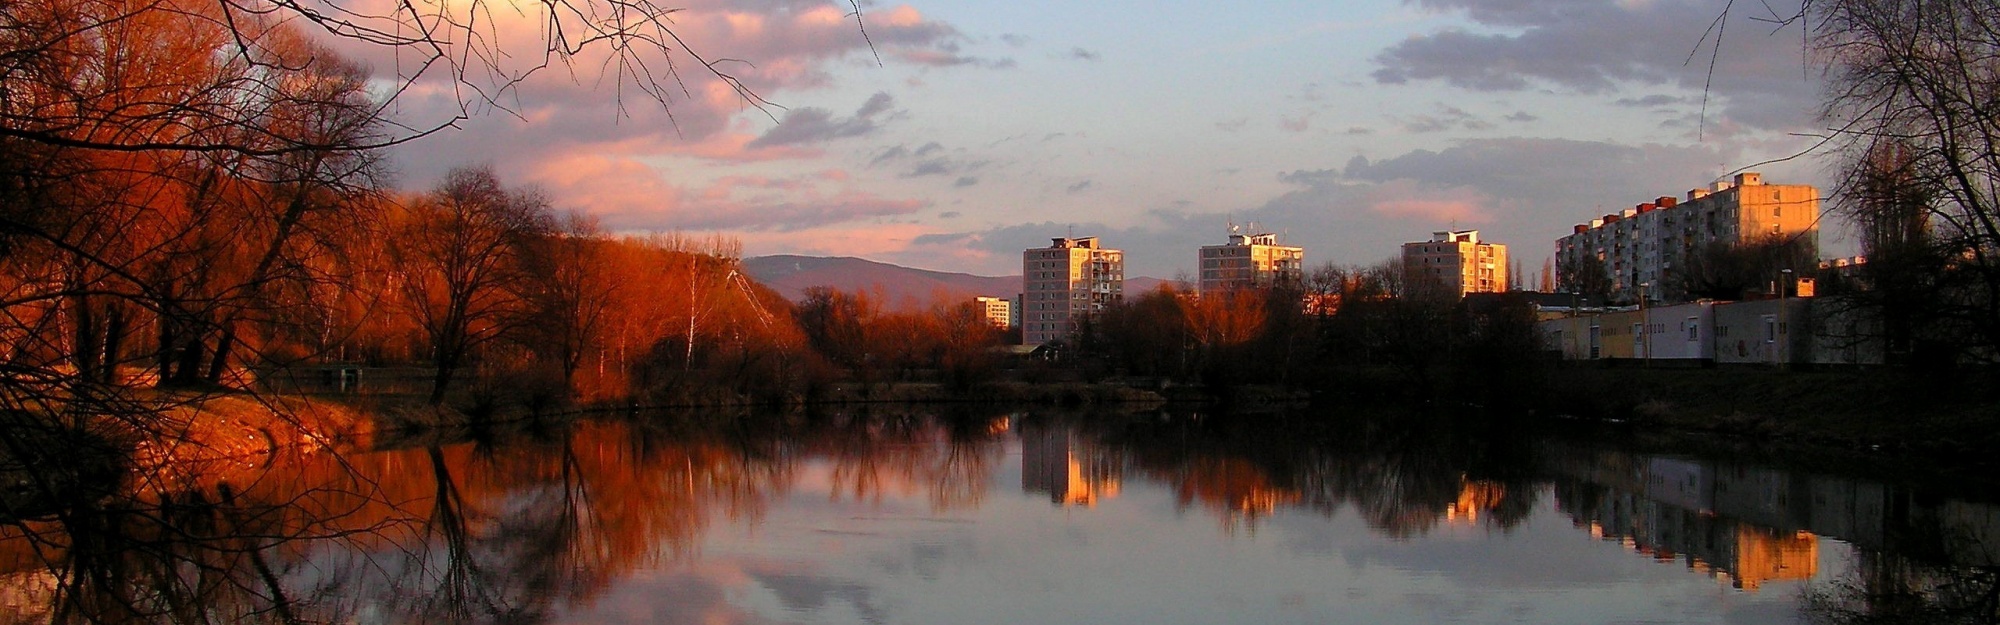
1055	463
1744	525
1475	497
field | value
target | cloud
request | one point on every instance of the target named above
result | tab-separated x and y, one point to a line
1079	187
1014	39
1522	117
586	105
628	194
948	55
1603	47
1295	124
1650	101
1232	125
929	159
1447	118
816	125
932	167
1530	169
1410	200
890	155
1080	54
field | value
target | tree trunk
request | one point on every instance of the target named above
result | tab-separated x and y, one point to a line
163	355
439	381
84	349
114	337
219	364
187	372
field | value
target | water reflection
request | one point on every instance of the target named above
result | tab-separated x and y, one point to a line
529	527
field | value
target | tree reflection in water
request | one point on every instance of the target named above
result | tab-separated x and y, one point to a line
1892	590
525	527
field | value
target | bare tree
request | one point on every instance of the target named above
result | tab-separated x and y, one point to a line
461	48
460	251
573	293
1912	88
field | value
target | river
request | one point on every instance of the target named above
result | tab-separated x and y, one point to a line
904	516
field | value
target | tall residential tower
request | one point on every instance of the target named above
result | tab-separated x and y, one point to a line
1064	283
1250	261
1458	262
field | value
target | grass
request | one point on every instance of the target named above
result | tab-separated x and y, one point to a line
1952	413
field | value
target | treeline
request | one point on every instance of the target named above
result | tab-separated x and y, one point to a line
184	276
193	195
1358	331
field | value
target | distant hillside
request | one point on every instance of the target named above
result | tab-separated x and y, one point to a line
902	287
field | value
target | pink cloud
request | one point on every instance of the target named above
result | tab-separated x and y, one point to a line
630	194
654	102
1410	200
863	240
1432	210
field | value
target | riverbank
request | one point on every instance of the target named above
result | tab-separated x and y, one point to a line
1953	415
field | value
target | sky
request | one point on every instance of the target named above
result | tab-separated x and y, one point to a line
953	134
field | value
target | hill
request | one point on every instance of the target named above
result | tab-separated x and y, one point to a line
901	287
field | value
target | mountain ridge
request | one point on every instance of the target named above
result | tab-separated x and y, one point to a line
897	286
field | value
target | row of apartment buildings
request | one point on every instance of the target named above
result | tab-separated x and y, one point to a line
1074	277
1645	245
1639	250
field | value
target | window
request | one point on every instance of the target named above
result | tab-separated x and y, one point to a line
1694	329
1770	329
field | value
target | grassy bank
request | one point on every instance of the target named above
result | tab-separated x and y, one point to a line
1953	414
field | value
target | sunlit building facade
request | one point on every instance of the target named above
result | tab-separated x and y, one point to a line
1645	245
1458	262
1064	284
1250	261
998	310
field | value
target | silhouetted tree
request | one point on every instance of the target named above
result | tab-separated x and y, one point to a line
461	250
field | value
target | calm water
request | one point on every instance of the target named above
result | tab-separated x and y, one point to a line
1007	518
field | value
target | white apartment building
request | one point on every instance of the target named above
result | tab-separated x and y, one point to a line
1457	261
1064	283
1250	261
1644	244
999	311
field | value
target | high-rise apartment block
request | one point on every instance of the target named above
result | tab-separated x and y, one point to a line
999	311
1250	261
1064	283
1458	262
1645	244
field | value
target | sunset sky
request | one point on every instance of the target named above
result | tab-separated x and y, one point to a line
987	127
